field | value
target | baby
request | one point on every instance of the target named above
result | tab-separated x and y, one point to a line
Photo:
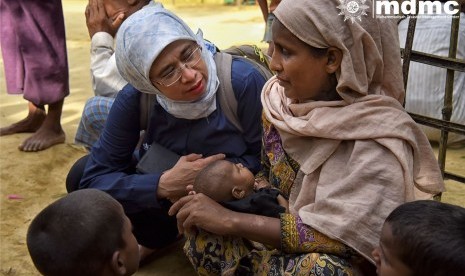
423	237
84	233
234	186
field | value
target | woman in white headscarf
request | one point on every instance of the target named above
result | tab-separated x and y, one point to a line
157	53
336	142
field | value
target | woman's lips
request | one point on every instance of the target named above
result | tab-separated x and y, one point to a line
197	88
282	81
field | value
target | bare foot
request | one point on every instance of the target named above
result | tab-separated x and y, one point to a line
31	123
43	139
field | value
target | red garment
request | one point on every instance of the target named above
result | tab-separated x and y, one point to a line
33	41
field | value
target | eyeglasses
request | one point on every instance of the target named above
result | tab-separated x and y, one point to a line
173	76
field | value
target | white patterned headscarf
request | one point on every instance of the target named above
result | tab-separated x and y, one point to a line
141	38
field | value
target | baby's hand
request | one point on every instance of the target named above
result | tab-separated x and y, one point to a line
192	193
260	183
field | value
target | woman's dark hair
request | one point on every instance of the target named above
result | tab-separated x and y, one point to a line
429	237
77	234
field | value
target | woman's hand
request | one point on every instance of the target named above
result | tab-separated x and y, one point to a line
97	19
173	182
200	211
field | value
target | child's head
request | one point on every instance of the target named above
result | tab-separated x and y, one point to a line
224	181
84	233
422	237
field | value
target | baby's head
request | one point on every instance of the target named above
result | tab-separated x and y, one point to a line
422	237
84	233
224	181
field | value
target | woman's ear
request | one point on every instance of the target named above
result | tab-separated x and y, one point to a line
238	192
117	263
334	56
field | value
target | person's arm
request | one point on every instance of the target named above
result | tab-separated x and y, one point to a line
264	8
111	165
106	81
247	84
202	212
288	233
97	19
297	237
283	202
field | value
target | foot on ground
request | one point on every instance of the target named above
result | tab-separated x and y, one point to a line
43	139
29	124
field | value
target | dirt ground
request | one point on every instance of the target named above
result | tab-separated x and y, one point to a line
30	181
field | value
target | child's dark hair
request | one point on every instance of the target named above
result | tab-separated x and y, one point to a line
429	237
77	234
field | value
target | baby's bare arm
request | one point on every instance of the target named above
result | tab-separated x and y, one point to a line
283	202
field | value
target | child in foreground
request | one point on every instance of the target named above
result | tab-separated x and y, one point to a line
423	237
234	186
84	233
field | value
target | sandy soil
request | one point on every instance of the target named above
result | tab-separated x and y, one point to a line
37	179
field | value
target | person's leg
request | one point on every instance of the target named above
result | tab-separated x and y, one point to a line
75	174
154	230
94	116
49	133
212	254
31	123
40	34
13	62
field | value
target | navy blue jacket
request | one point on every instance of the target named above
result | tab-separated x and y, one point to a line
111	166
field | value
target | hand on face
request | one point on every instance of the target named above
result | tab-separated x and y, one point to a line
173	183
97	19
261	183
200	211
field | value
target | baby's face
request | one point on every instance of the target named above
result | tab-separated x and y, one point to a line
387	261
243	177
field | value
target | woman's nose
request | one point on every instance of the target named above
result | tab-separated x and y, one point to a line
188	74
275	64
